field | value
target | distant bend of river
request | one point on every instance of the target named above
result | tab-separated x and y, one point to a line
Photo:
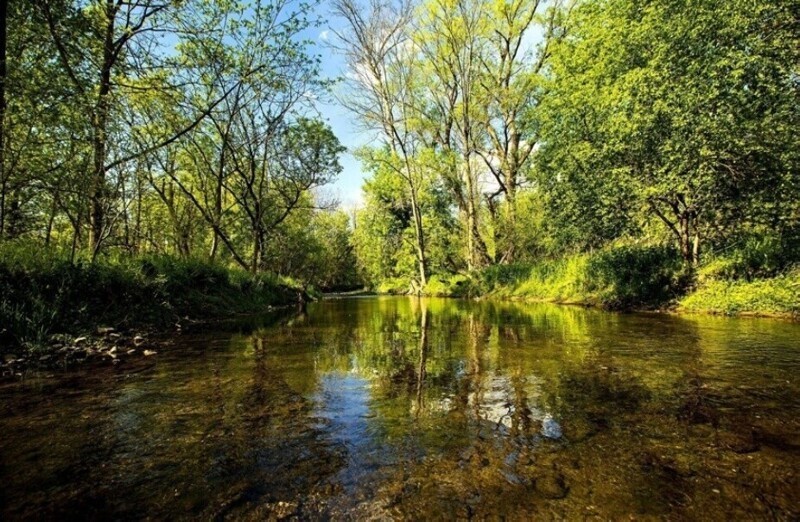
406	408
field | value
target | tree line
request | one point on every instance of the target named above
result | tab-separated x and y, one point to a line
517	130
185	128
507	132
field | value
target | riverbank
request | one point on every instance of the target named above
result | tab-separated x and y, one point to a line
632	278
49	304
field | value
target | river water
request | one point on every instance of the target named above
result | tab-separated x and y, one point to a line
400	408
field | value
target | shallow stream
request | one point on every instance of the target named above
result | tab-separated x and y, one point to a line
400	408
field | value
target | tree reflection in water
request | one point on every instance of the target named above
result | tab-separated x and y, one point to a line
420	408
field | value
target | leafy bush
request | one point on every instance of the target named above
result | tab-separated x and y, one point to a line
631	276
500	275
42	293
620	277
453	285
756	256
394	286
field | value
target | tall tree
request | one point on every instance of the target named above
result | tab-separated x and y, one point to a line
379	52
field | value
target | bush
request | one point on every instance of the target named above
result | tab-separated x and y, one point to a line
42	293
776	296
756	256
620	277
394	286
453	285
635	276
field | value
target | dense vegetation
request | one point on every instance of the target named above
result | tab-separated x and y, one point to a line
168	128
151	152
620	152
628	153
46	297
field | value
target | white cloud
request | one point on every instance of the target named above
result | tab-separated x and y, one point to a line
324	35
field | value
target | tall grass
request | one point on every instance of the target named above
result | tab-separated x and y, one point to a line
42	293
621	277
778	295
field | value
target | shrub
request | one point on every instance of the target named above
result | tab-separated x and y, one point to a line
42	293
631	276
619	277
450	285
394	286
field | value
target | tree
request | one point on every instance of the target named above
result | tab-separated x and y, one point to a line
378	48
686	119
449	37
511	87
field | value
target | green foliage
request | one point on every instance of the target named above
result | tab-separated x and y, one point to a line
453	285
620	277
44	293
679	113
634	276
394	286
776	296
384	239
563	280
755	256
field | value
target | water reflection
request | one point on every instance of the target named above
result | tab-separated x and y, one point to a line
422	408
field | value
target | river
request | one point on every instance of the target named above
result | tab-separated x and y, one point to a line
401	408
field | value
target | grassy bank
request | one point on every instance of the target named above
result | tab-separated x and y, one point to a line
776	296
638	277
42	294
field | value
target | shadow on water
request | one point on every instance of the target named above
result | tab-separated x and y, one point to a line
418	408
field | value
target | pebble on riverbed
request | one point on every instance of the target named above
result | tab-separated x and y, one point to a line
107	345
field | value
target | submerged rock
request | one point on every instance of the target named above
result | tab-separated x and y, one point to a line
282	510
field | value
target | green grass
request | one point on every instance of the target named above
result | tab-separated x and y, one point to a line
756	279
42	293
774	296
620	277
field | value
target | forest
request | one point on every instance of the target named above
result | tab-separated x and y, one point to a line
163	158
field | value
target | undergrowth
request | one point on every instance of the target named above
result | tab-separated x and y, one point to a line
43	293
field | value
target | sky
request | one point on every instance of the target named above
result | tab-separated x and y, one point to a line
347	187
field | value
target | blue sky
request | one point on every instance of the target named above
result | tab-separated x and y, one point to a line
348	187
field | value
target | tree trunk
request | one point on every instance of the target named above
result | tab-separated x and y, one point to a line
420	237
477	254
97	188
258	246
510	236
3	70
